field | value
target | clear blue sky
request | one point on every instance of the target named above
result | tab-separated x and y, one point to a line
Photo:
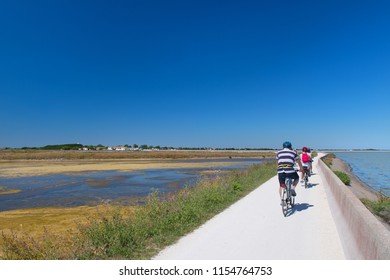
195	73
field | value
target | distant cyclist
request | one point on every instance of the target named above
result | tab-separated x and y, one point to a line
311	163
286	159
306	162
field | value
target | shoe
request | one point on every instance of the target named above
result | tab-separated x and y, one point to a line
293	193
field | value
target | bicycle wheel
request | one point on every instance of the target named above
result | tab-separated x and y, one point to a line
284	202
290	198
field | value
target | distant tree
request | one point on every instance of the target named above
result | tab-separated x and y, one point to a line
135	146
63	147
144	146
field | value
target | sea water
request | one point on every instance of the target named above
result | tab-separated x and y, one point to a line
371	167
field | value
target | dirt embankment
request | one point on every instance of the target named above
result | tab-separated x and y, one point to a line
360	189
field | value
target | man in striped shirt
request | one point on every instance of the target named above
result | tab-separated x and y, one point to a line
286	159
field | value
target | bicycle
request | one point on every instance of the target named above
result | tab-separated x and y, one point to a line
288	200
306	176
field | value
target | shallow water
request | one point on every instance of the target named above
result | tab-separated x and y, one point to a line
373	168
89	188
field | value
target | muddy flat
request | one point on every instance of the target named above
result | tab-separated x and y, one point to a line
39	167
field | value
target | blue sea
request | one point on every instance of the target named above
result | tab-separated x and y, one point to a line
372	167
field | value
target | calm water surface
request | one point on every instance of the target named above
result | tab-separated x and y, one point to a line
373	168
89	188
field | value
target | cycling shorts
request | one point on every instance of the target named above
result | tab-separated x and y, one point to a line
282	177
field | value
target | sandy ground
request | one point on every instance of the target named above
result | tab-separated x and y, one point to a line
254	228
39	167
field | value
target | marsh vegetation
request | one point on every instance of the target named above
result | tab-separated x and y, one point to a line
117	233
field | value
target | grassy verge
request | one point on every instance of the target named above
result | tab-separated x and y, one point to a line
328	159
163	220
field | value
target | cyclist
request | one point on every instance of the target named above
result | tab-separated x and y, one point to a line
306	162
286	159
311	162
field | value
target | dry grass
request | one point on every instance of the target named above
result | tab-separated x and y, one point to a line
64	222
58	219
16	154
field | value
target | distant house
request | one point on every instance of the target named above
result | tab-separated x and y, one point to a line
120	148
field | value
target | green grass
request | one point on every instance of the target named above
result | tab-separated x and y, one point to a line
328	160
343	177
162	221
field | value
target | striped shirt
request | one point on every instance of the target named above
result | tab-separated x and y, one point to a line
286	159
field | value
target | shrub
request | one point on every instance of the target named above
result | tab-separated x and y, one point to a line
380	207
343	177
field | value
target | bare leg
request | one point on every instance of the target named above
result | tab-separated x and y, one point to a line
295	183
